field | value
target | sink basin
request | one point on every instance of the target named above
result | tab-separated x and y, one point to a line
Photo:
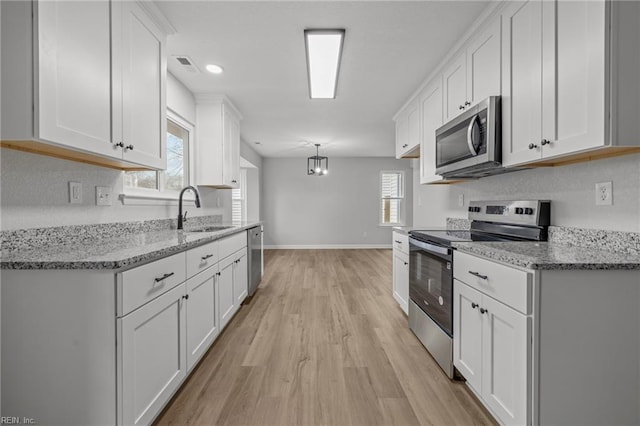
213	228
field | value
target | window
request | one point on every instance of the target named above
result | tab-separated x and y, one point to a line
239	199
392	198
166	183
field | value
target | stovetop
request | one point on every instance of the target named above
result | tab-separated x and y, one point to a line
447	237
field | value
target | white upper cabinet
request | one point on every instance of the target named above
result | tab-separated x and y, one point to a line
558	104
431	111
474	74
139	118
217	142
408	131
455	87
84	81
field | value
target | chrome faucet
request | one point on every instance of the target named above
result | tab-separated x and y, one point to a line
183	218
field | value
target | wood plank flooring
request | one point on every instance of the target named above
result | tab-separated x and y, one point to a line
322	342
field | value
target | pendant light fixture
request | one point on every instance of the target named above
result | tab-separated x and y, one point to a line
316	164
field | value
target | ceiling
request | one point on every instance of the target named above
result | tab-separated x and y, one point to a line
389	49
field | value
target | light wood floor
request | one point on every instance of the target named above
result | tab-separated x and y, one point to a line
322	342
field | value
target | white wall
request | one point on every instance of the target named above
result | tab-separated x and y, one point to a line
35	192
339	209
571	189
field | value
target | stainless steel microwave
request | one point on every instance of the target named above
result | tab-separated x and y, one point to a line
470	144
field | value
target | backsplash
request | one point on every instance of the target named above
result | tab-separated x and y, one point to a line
25	239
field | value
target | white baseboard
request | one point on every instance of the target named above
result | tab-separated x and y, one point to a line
328	247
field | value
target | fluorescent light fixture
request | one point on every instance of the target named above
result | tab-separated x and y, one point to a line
324	49
214	69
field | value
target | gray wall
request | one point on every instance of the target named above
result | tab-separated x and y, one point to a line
35	191
571	189
339	209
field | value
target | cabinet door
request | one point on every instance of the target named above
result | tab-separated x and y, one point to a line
401	280
521	82
467	334
506	337
74	75
483	63
455	87
574	36
230	148
152	356
202	315
140	66
431	110
226	299
402	135
240	279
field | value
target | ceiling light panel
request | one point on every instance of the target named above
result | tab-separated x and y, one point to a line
214	69
324	49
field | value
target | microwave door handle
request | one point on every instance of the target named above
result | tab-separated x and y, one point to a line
470	135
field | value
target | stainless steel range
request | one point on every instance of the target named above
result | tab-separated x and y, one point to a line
431	266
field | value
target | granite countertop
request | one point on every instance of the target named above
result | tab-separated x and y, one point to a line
550	256
115	253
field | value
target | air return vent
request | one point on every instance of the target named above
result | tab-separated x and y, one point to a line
187	64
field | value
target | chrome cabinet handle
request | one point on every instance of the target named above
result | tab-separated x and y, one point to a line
474	305
545	142
532	146
206	257
399	242
164	277
483	310
476	274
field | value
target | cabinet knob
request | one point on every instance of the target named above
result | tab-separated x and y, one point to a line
120	144
467	103
545	142
218	273
234	181
406	263
532	146
483	310
460	106
128	147
405	145
474	305
185	297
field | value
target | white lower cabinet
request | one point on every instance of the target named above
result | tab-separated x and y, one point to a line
202	314
401	270
492	341
152	362
226	299
241	278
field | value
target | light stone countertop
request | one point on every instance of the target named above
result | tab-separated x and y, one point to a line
115	253
551	256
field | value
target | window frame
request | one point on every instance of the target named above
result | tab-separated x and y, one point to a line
402	198
162	196
243	200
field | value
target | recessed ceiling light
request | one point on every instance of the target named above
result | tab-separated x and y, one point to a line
324	48
214	69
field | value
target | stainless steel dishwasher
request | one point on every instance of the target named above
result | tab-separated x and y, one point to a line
254	243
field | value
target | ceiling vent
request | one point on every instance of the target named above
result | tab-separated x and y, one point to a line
187	64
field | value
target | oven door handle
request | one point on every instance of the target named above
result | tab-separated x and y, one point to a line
431	247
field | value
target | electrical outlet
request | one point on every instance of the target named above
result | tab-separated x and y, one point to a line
75	192
103	196
461	200
604	194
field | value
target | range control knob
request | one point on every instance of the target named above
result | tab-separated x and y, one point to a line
528	210
519	210
472	209
478	209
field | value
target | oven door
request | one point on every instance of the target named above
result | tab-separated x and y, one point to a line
431	281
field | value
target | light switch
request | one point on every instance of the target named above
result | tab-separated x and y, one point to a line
75	192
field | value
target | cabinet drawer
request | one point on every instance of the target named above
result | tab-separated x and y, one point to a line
508	285
201	258
401	242
232	244
139	285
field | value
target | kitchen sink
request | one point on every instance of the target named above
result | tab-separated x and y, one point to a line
213	228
